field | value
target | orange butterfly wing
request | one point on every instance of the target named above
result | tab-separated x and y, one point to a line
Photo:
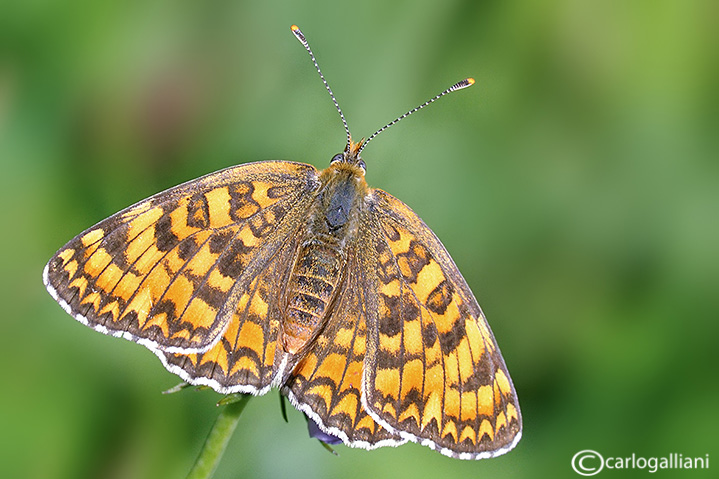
171	271
434	373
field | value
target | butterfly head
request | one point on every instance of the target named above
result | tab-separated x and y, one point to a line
351	156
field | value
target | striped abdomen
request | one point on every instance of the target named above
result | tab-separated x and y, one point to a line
310	290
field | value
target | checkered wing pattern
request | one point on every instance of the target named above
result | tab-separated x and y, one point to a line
434	373
244	359
171	271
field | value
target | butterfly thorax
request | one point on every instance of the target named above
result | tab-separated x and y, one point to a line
320	264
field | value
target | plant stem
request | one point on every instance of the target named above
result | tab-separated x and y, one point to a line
217	440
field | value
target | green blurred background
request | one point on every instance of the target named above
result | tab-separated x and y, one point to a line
576	186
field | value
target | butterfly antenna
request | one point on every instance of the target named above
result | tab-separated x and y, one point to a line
467	82
301	37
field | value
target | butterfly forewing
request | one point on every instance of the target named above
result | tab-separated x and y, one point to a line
170	270
437	376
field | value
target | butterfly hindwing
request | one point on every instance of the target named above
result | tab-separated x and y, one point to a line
243	360
326	384
437	376
169	271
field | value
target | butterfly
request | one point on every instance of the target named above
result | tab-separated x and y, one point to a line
275	274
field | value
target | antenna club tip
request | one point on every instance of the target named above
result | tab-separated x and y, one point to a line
298	33
467	82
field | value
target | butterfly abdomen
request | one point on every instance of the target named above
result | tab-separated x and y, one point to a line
311	287
320	261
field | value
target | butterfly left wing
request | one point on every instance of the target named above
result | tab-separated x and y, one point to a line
434	373
169	271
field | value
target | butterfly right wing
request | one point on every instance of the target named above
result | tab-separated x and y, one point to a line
169	271
437	376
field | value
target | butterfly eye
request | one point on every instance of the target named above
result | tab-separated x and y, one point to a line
362	165
337	157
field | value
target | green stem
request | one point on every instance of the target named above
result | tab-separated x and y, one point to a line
217	440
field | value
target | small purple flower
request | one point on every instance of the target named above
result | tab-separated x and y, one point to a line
319	434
